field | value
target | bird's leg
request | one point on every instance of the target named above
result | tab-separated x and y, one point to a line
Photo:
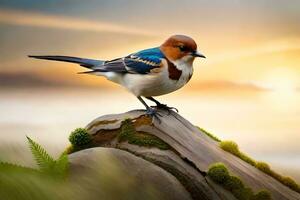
162	106
150	111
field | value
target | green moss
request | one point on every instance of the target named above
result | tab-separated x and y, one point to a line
245	193
233	148
233	183
290	183
127	130
69	149
72	149
144	139
220	174
209	135
262	195
80	137
262	166
230	146
129	134
247	159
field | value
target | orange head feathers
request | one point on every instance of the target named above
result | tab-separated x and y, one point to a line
179	46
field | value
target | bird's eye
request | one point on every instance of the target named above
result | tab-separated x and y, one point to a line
182	48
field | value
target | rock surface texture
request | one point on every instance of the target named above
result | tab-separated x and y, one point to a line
183	165
87	162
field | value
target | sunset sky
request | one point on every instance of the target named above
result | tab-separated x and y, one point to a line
246	42
249	84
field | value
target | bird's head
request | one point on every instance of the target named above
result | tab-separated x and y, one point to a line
180	47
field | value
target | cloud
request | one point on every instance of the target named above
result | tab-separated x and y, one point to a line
271	46
33	80
222	85
27	80
34	19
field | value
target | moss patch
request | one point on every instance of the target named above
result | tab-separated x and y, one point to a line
79	139
234	183
129	134
233	148
69	149
72	149
220	174
215	138
262	195
289	182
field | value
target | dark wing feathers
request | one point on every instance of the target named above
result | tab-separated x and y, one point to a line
89	63
141	62
116	65
140	65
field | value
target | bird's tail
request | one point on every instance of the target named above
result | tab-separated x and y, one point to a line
85	62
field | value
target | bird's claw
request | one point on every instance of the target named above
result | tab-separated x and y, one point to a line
167	108
153	113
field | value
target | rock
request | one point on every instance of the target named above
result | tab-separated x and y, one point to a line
114	164
195	181
191	153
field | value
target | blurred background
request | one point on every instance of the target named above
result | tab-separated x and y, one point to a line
247	90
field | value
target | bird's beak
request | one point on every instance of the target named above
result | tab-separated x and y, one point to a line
198	54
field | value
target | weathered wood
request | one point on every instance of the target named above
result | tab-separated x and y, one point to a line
195	146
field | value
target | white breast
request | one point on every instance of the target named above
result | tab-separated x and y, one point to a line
157	84
186	68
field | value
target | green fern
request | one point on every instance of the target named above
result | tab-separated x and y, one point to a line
7	167
61	165
44	161
47	165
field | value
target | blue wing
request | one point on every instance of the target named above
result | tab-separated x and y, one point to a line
141	62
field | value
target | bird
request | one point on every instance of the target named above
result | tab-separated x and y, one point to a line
147	73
